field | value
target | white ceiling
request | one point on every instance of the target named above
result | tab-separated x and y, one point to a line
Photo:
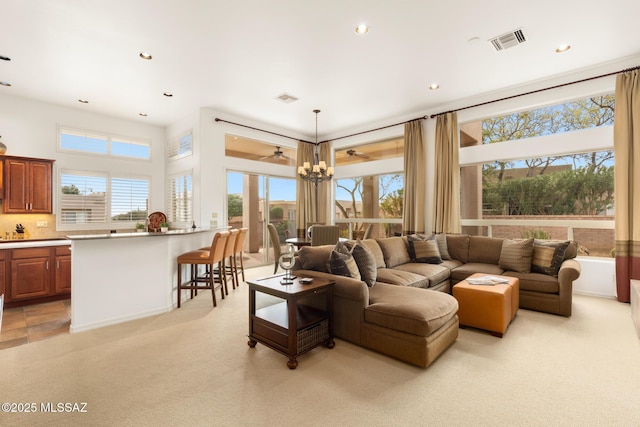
237	56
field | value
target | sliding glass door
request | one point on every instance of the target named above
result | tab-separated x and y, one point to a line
255	200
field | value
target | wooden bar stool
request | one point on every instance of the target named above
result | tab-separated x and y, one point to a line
238	253
227	260
208	258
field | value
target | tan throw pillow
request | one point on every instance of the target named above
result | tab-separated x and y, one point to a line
366	263
341	262
516	255
424	249
314	257
548	256
441	239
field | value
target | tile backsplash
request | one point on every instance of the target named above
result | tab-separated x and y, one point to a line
36	226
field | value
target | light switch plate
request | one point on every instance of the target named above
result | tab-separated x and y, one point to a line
41	224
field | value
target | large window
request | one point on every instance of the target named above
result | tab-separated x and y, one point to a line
363	200
562	189
371	199
96	143
181	146
99	200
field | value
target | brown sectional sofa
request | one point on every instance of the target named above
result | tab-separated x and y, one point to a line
397	318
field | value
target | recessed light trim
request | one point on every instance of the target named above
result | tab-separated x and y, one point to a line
146	55
168	94
5	84
143	114
362	29
563	48
434	86
5	58
83	101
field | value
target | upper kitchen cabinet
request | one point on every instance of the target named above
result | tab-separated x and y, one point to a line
27	185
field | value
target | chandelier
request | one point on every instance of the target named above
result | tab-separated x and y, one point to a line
319	172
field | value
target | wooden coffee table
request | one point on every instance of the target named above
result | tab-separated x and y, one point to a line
301	322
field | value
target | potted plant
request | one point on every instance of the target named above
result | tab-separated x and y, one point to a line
164	227
140	227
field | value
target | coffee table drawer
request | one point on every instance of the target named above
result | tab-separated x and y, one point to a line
270	332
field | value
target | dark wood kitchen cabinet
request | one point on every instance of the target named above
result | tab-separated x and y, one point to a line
27	185
62	284
30	274
35	275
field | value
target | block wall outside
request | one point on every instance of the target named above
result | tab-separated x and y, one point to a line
593	242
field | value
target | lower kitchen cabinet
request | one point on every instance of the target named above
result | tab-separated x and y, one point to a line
35	275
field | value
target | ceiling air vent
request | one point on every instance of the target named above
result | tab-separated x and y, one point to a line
507	40
286	98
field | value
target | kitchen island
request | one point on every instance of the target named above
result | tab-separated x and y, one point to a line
124	276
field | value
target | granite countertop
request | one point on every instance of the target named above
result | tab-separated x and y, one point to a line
144	234
33	243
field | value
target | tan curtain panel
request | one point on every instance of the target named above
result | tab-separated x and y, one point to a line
446	201
305	203
306	190
414	179
324	187
626	143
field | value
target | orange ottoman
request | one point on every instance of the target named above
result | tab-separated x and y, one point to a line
489	307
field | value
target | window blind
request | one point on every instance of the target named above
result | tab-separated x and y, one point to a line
181	146
180	199
83	199
129	199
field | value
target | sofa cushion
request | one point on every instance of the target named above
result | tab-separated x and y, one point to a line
436	273
395	276
516	255
548	256
395	251
441	238
485	250
458	246
341	262
366	263
315	257
536	282
423	249
466	270
414	311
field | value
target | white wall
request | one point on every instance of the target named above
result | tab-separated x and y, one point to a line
30	128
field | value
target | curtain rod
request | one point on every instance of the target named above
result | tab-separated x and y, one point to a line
320	142
536	91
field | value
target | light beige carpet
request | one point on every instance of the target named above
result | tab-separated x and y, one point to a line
193	367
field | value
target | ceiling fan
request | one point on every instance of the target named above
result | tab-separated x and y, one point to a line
278	155
353	152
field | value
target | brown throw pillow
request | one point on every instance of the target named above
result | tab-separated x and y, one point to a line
548	256
424	249
516	255
341	262
366	263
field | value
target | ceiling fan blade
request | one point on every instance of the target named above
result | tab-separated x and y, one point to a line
352	153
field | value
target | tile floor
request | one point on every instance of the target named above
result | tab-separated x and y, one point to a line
22	325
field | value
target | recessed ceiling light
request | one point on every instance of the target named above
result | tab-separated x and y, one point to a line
145	55
434	86
168	94
5	83
5	58
362	29
563	48
84	101
143	114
